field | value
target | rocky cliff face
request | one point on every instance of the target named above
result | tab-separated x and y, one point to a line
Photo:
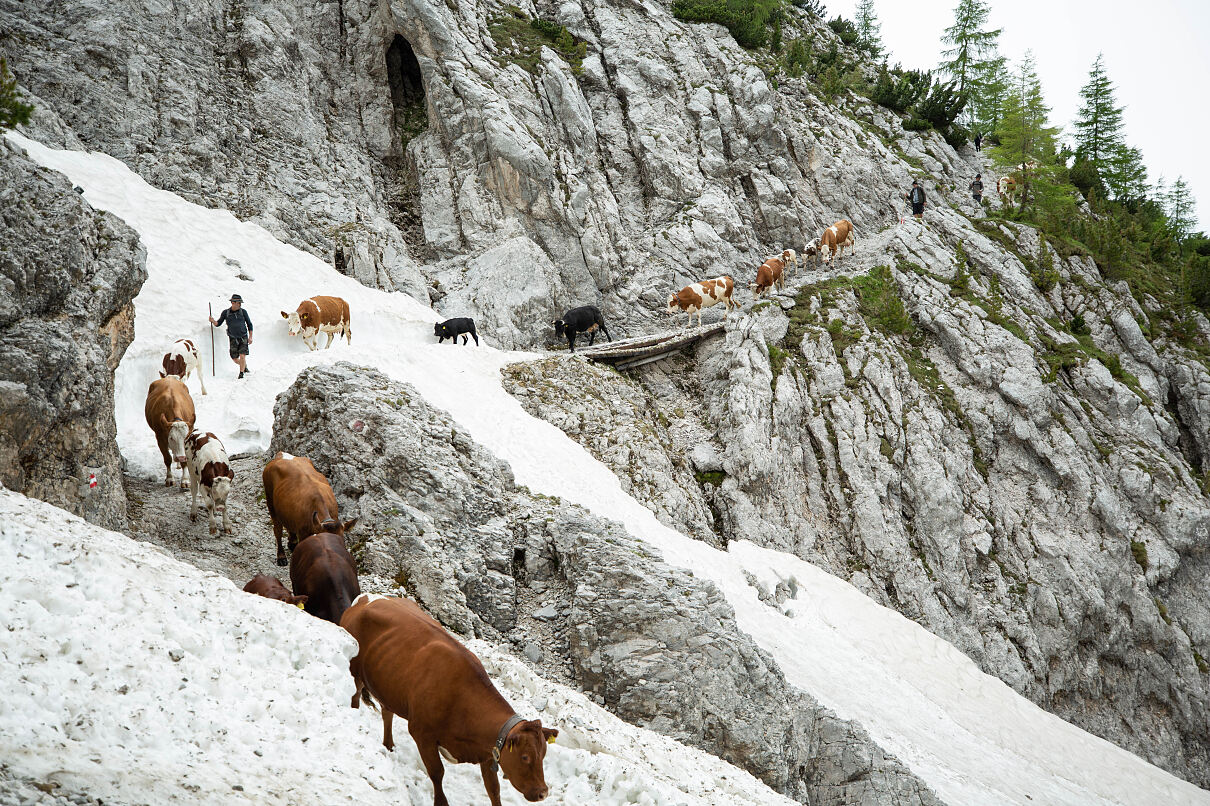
579	596
68	275
934	433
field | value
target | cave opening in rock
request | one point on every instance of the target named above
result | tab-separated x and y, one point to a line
409	119
407	90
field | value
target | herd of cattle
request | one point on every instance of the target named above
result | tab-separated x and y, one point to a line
407	664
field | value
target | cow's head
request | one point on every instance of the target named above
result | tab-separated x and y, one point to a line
522	756
558	327
332	525
217	478
672	306
440	329
177	431
298	320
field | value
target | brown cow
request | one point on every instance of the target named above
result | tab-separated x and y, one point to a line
320	315
300	500
836	237
272	588
210	474
322	569
696	297
770	273
169	412
416	669
182	361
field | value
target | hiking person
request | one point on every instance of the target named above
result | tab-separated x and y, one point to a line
239	332
976	188
916	198
978	141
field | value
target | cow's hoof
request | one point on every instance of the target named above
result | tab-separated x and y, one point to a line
193	517
213	530
168	483
282	562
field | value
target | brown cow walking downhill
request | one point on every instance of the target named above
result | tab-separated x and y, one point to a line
169	413
322	569
414	668
835	238
320	315
300	500
771	273
272	588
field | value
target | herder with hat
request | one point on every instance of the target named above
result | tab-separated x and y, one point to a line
239	332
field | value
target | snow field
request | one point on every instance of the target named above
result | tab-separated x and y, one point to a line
966	734
139	679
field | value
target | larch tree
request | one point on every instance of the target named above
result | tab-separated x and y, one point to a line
1098	124
869	30
1124	173
1179	206
1027	141
972	59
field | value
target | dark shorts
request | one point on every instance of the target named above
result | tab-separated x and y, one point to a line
238	347
918	209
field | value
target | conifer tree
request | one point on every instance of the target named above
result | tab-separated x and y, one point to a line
1179	206
972	60
1124	173
869	30
1098	124
12	111
1027	142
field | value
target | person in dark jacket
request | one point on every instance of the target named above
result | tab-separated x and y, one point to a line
916	198
976	188
239	332
978	141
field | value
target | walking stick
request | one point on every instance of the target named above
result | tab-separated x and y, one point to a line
213	371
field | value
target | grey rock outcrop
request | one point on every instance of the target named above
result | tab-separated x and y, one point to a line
68	276
654	644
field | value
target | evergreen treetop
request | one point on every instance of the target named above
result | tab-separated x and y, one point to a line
1098	124
869	30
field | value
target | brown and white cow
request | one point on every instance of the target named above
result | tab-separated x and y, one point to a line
812	253
771	273
320	315
836	237
182	361
169	413
210	473
1007	188
272	588
789	258
696	297
416	669
300	500
322	570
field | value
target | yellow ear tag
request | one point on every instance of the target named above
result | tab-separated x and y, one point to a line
550	739
299	605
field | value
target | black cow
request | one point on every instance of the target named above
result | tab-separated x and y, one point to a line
453	328
585	319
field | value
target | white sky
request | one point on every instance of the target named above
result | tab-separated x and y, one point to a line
1155	53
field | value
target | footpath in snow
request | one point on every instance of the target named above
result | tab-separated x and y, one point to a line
966	734
136	678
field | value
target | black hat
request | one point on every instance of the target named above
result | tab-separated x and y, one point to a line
978	176
915	181
236	298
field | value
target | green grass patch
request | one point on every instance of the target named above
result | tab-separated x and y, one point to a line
1163	608
712	477
925	373
748	21
777	360
1139	551
1202	666
520	39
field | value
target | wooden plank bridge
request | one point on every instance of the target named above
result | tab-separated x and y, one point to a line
630	353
